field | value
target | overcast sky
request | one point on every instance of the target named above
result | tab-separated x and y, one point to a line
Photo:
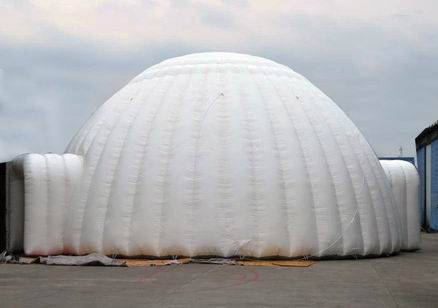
61	59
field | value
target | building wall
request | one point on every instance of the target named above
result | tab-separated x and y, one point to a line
421	162
427	159
434	185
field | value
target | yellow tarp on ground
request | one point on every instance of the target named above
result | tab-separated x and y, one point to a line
284	263
148	262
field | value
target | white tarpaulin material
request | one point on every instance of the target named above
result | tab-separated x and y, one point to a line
403	177
213	154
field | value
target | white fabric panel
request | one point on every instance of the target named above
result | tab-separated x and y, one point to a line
218	154
49	181
403	177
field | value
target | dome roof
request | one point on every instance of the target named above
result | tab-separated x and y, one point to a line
227	154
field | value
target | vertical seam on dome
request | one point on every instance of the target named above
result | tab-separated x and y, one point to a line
250	147
96	121
119	108
237	94
131	111
47	203
115	169
140	169
197	136
306	163
98	163
81	134
167	157
159	205
331	129
97	128
100	124
330	173
378	181
66	199
84	131
77	240
224	186
372	198
280	160
357	193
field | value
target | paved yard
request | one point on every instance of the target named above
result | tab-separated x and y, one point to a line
406	280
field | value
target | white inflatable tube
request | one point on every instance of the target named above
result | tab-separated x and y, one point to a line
403	177
49	181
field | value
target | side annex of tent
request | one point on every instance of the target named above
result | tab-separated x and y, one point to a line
404	180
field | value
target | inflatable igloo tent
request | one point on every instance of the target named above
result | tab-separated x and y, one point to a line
212	154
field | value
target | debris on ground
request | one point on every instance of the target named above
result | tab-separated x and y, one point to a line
219	261
91	259
149	262
96	259
285	263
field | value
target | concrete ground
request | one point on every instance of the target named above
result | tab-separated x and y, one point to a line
406	280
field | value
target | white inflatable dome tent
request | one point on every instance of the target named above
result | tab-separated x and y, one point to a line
213	154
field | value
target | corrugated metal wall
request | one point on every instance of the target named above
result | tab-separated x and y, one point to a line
434	186
421	161
427	159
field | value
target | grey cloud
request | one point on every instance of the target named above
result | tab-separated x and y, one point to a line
238	3
49	93
385	81
215	16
